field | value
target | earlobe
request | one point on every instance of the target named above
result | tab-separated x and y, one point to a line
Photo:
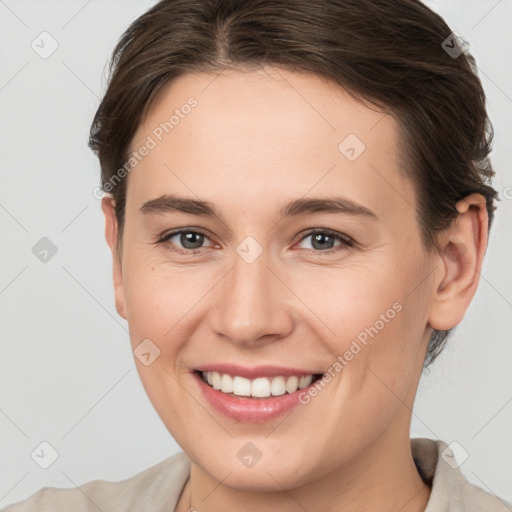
463	247
108	207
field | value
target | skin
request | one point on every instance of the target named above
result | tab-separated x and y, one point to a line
256	140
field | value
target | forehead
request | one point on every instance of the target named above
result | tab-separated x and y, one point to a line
294	104
264	133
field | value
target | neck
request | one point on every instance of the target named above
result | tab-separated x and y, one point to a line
383	478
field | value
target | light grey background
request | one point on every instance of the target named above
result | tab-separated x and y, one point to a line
67	374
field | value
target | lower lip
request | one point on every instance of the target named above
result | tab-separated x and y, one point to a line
250	410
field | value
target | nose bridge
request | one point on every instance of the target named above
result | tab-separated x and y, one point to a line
250	304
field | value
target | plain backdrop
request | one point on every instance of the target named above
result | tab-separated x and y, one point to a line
67	374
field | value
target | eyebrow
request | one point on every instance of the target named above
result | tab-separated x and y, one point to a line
171	203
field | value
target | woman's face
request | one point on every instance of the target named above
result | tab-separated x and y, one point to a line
301	290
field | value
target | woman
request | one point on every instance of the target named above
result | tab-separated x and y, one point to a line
298	209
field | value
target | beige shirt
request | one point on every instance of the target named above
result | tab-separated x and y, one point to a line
157	489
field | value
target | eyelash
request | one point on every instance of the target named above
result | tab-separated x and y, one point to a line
346	241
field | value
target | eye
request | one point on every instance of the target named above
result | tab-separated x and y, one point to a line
322	240
191	240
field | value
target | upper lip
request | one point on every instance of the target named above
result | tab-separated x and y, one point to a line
253	372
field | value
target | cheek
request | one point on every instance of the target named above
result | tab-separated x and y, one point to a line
158	295
374	314
352	299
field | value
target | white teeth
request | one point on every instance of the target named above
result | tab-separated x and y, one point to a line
305	380
216	380
261	387
226	384
278	386
291	384
241	385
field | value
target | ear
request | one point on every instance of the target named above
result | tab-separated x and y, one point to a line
108	207
463	245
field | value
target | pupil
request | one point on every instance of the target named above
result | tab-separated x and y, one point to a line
189	238
318	237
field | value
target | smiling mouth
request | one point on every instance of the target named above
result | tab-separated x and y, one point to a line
262	387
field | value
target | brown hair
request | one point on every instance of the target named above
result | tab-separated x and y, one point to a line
388	52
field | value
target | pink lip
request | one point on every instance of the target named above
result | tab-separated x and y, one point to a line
255	372
249	410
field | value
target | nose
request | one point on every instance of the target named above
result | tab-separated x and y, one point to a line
252	306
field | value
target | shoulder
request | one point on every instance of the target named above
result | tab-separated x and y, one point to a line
157	488
451	490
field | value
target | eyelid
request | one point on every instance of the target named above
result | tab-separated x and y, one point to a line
327	231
